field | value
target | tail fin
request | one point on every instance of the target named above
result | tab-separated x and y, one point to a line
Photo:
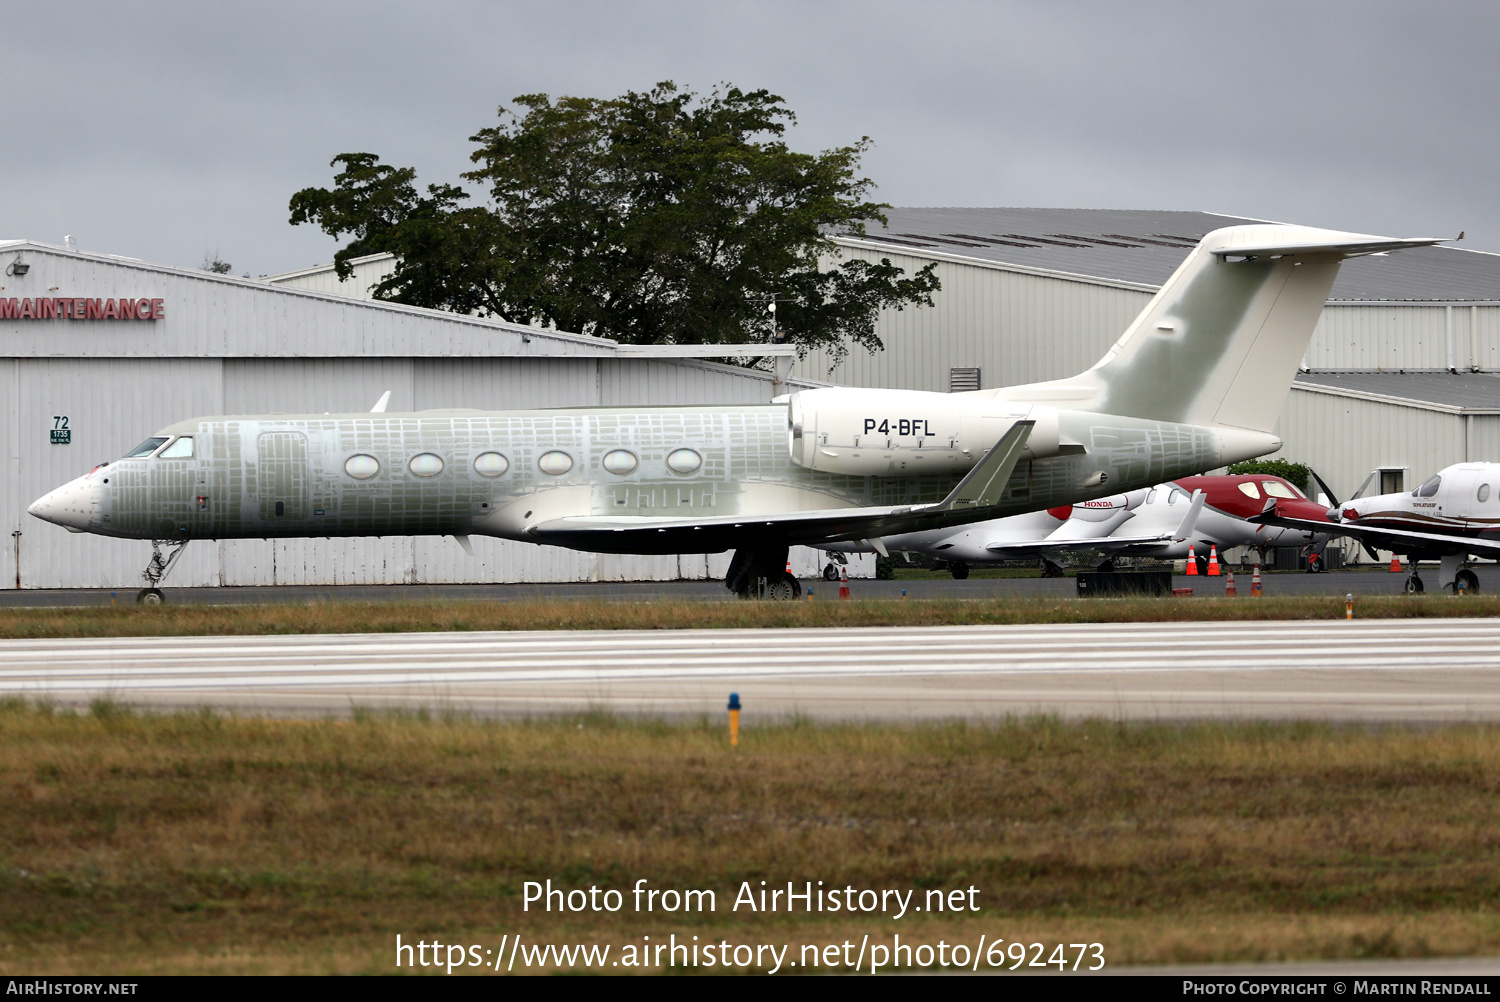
1220	342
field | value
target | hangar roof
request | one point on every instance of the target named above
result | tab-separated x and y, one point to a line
1461	392
1142	247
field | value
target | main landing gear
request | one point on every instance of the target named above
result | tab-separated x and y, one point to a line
1454	572
157	570
762	574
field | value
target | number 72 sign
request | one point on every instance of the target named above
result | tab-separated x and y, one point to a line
61	433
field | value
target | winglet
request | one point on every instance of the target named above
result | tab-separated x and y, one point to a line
379	407
1190	518
986	481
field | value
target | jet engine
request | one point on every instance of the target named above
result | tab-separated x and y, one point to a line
879	433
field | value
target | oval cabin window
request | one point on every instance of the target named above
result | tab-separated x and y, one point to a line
555	463
490	464
362	467
426	464
619	462
684	461
1484	492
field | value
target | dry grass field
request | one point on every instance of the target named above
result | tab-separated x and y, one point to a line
197	842
410	616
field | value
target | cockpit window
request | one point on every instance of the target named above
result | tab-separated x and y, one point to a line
1248	489
147	447
180	449
1277	489
1429	487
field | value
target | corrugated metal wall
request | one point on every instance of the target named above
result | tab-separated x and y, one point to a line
1344	438
1017	328
1387	338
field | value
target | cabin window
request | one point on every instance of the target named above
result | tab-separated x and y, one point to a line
1248	489
180	449
619	462
426	464
490	464
684	461
1429	487
1484	492
1151	496
362	467
147	447
555	463
1277	489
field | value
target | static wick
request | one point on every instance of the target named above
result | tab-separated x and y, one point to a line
734	720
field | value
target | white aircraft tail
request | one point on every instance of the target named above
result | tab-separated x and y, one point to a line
1219	344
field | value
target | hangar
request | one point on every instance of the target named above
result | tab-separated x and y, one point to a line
100	351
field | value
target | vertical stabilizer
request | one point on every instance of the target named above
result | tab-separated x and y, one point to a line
1219	344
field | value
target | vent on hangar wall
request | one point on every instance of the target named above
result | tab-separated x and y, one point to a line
961	380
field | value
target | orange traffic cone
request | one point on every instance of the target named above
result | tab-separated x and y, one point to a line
1255	582
789	565
1192	567
843	581
1395	564
1229	589
1213	560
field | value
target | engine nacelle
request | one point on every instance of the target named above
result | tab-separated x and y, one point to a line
882	433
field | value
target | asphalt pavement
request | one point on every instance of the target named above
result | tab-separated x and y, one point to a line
1370	581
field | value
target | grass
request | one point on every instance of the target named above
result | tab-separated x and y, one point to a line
418	616
197	842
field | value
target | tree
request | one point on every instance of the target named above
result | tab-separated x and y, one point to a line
1293	473
213	263
662	217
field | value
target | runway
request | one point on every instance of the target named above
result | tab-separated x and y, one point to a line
1371	670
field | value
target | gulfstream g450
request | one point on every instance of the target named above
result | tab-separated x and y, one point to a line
1194	383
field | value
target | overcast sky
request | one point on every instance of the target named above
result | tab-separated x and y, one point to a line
166	130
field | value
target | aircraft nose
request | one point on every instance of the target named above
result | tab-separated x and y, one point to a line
69	506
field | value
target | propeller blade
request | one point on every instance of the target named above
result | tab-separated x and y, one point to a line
1333	501
1361	491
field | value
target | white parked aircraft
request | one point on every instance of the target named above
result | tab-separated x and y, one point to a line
1450	516
1194	383
1162	522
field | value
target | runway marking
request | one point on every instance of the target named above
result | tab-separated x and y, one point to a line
433	661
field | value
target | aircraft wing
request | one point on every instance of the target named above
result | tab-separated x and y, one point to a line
975	499
1108	544
1398	540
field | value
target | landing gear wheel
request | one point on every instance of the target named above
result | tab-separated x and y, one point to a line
782	589
1051	569
1414	585
1202	567
1314	565
830	572
1107	567
958	569
1467	581
150	596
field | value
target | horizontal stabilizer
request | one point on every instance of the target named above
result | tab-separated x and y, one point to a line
1344	244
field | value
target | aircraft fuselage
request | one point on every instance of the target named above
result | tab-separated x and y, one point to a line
501	473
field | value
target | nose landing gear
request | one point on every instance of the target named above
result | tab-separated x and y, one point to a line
157	570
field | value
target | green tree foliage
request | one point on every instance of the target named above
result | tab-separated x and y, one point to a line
1295	473
663	217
